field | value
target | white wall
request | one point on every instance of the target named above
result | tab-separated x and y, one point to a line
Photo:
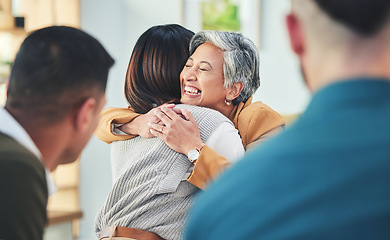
104	20
282	86
118	24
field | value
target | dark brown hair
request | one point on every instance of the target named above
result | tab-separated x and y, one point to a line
154	69
56	69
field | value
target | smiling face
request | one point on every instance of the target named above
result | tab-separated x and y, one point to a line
202	79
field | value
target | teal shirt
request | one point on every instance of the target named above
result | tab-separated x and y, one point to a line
325	177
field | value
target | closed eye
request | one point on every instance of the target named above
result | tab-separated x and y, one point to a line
188	63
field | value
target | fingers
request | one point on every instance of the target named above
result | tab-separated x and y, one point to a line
154	119
167	105
169	112
162	116
157	133
167	115
149	117
188	115
177	110
156	127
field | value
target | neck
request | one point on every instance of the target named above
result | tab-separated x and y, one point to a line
226	110
357	57
50	139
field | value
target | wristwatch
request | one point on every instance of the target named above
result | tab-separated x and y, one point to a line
193	154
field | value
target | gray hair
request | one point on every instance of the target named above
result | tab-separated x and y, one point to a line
241	60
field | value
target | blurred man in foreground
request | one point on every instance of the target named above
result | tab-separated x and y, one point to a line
326	176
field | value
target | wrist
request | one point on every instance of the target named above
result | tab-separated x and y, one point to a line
188	147
132	127
125	128
193	153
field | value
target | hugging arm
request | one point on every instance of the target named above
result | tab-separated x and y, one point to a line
109	118
208	165
123	123
257	123
183	134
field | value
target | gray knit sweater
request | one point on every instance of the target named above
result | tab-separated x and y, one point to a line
149	192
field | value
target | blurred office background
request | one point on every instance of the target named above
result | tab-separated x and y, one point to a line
118	24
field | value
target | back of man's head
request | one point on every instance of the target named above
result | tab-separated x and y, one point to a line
365	17
55	70
336	19
340	39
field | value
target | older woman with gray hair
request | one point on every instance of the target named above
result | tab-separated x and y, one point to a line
241	61
221	73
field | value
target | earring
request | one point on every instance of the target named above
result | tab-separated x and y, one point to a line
228	102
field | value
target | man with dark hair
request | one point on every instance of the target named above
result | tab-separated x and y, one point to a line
327	175
55	95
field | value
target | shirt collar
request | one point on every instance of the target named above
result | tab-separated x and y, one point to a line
9	126
345	93
237	110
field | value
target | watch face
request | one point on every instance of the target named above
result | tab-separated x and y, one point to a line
193	154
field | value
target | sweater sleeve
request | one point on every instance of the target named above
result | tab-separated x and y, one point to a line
114	115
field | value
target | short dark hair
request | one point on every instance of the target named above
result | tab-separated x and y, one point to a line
153	74
55	70
365	17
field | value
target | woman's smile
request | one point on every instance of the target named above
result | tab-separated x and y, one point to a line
191	91
202	78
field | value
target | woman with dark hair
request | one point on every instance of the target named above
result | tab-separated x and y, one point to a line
150	196
153	70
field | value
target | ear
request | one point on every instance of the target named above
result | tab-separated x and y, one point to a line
234	91
295	33
84	115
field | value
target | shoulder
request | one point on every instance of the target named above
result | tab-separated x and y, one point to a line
23	179
256	119
16	159
259	110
